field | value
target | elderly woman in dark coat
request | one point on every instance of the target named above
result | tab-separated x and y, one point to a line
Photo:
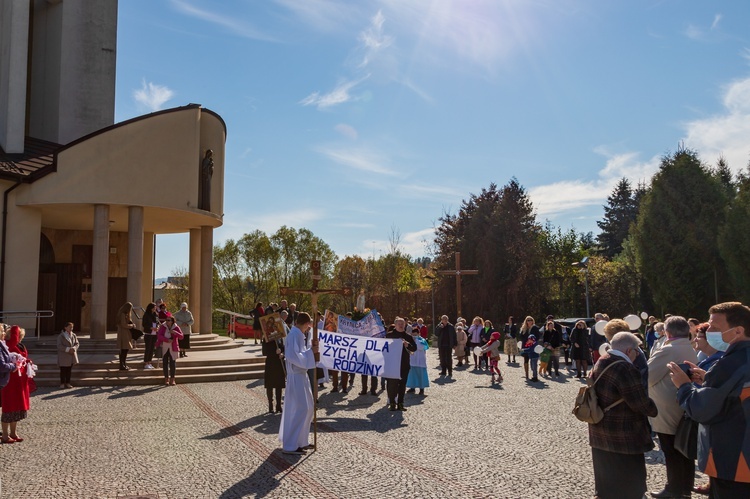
579	339
618	442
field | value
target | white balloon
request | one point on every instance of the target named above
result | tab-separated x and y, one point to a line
539	349
477	350
644	315
520	344
599	327
634	322
604	348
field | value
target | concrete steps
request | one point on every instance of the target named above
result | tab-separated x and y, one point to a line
211	358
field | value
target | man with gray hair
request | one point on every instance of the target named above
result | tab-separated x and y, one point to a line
677	349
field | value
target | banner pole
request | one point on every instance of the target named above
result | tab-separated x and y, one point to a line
314	297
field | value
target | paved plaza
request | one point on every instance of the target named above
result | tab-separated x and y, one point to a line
465	438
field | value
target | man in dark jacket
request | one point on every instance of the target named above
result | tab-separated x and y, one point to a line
553	339
446	340
397	387
721	405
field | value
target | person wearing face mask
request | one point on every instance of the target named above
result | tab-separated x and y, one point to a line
618	442
660	338
700	344
676	349
720	405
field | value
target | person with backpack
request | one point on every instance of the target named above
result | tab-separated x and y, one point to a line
618	442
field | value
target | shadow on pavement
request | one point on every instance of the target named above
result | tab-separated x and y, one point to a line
266	423
136	392
255	383
539	385
50	393
266	478
493	386
443	380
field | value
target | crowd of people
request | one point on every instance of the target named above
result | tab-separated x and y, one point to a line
682	383
164	333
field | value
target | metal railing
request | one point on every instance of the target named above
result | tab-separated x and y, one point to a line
27	314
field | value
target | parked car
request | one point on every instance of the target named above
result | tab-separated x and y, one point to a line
243	328
571	322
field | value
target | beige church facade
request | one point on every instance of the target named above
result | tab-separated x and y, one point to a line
83	198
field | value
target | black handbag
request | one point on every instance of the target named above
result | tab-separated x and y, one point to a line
686	437
135	333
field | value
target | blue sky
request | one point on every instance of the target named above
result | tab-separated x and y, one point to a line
373	115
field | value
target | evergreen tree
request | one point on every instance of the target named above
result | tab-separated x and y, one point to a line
496	233
734	240
620	212
676	234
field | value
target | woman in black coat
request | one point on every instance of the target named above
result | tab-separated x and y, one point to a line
274	375
579	338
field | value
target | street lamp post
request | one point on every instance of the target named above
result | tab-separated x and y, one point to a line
584	265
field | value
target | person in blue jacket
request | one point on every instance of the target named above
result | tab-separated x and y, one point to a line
528	350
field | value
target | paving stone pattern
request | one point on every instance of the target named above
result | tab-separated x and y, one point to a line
465	438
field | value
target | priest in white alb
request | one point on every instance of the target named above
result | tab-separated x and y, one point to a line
294	432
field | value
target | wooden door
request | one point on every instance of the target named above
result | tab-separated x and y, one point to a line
69	289
46	300
117	295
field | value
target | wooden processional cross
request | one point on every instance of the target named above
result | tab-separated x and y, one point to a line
314	292
458	272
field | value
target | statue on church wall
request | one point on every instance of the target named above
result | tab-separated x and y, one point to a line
204	189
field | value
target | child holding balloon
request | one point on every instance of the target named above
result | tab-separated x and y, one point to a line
492	348
532	348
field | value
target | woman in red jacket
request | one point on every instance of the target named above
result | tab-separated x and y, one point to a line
15	395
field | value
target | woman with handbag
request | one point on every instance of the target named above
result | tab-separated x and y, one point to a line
149	324
15	395
124	336
67	354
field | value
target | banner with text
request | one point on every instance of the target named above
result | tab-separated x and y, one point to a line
361	355
370	325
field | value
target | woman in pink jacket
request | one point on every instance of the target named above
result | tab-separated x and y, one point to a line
168	337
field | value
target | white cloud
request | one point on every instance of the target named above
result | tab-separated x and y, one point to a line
152	96
323	15
346	130
360	159
693	32
725	134
569	195
234	25
239	223
373	39
412	243
745	54
338	95
355	225
417	90
715	24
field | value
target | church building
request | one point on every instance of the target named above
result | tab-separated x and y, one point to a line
84	197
